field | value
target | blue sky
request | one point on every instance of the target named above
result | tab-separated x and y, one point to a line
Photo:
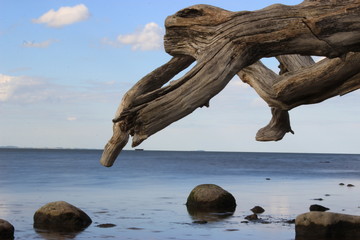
64	66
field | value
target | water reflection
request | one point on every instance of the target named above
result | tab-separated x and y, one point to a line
51	235
208	216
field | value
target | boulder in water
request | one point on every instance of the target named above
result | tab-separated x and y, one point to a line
210	197
327	225
6	230
61	216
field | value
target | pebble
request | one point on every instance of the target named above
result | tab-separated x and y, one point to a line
106	225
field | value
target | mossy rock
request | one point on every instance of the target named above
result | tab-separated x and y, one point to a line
61	217
210	197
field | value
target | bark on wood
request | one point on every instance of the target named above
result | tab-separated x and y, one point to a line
224	44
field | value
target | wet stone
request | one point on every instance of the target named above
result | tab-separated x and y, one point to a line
252	217
327	225
210	197
257	210
6	230
61	217
319	208
318	199
106	225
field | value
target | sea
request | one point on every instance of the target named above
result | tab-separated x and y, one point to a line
143	195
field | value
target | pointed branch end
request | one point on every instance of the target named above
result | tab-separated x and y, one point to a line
113	148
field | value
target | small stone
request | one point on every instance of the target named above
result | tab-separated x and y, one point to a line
268	179
135	228
106	225
350	185
252	217
200	222
61	216
341	184
318	199
291	221
257	210
319	208
6	230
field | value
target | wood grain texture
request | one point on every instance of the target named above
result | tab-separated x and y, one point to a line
225	43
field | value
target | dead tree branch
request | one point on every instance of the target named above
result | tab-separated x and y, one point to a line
224	44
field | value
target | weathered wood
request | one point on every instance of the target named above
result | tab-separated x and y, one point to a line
134	97
224	44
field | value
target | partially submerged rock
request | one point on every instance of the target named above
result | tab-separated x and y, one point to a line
6	230
257	210
210	197
327	226
317	207
252	217
61	216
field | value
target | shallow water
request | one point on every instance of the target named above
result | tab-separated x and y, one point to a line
144	193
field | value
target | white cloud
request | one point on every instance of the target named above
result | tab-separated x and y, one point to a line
71	118
30	90
64	16
150	37
10	84
43	44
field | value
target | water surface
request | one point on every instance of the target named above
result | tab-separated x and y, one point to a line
144	193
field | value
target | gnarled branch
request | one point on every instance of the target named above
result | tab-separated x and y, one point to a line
224	44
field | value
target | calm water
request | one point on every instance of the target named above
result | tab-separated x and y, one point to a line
144	193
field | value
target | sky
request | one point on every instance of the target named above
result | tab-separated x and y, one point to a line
65	65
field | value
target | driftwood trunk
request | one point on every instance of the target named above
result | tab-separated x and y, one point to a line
224	44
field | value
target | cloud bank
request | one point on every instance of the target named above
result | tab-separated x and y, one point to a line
30	90
64	16
150	37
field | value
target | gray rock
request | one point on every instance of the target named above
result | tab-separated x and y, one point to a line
210	197
327	225
61	216
6	230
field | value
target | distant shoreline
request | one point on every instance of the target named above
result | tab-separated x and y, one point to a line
157	150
